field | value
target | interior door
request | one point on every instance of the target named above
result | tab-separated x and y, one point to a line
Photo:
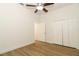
40	31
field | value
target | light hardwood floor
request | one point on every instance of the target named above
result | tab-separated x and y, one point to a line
43	49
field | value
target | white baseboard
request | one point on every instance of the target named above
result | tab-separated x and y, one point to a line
15	47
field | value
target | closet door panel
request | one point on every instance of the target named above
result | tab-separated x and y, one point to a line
54	33
49	31
57	32
65	34
74	33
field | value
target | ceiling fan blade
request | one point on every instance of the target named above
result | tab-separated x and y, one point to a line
36	11
44	9
46	4
31	5
21	3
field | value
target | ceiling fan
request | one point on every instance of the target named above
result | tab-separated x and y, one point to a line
39	6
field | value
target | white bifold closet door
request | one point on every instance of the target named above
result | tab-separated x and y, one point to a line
57	32
65	32
70	33
61	33
54	33
74	33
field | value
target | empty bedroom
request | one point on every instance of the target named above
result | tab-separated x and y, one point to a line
39	29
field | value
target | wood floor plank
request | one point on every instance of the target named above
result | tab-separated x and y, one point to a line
43	49
61	49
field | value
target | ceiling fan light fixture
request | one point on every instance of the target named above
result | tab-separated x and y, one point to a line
39	7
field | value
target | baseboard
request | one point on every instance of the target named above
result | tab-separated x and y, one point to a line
16	47
41	40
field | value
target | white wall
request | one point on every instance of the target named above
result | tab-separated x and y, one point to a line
70	13
16	26
63	13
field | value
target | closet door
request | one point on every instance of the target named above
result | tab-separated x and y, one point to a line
57	32
65	33
54	33
49	33
74	33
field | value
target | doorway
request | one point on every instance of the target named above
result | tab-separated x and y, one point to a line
39	32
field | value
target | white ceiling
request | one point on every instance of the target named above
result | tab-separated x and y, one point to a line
58	5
